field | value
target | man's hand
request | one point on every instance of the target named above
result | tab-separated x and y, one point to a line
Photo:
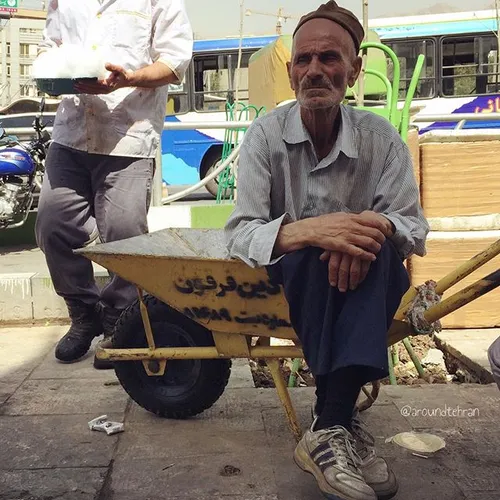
358	235
378	220
118	79
344	271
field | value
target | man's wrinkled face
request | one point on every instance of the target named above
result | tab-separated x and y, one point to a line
324	64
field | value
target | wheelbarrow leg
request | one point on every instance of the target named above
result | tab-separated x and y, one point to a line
284	395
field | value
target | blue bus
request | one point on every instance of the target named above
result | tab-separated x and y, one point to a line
461	75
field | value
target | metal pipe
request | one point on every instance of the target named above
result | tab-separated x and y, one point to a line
452	278
222	125
458	117
140	354
208	125
463	297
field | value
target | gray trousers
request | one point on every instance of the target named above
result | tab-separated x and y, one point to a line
494	358
79	191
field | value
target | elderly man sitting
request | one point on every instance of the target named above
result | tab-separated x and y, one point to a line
327	200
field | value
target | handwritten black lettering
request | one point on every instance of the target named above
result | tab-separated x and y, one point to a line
272	322
187	289
246	290
205	313
230	287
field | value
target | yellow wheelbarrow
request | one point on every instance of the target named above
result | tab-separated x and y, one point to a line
197	309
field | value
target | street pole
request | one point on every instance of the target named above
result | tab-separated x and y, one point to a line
278	22
497	10
361	93
238	72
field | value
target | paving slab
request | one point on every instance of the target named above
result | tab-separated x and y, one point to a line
52	484
65	397
44	442
457	406
26	258
172	440
51	368
21	350
421	478
194	477
228	414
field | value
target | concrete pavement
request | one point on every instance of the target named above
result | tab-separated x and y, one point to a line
240	449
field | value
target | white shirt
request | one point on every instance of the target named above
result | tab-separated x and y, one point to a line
132	34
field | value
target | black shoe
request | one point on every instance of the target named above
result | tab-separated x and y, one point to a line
109	317
85	325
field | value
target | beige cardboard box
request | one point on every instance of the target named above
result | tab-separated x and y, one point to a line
447	251
460	178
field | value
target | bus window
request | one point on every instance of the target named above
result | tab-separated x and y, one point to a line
178	100
470	66
408	52
215	80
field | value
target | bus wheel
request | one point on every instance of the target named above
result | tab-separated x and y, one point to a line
212	186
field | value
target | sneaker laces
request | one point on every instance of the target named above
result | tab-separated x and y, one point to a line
365	442
343	446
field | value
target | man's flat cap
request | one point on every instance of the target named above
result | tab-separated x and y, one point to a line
343	17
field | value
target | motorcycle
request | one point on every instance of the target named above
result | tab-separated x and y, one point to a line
22	166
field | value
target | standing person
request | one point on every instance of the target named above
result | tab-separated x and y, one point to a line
494	359
328	202
100	166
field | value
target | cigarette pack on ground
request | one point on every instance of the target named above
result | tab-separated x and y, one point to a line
447	251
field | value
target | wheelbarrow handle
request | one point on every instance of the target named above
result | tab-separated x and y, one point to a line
452	278
463	297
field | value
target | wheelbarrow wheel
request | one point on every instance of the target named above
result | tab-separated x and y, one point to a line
188	387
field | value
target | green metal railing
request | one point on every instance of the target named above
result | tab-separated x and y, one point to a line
232	137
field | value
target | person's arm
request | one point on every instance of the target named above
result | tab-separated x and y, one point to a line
397	198
250	230
171	52
52	31
172	43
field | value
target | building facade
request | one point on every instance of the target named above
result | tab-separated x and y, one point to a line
19	39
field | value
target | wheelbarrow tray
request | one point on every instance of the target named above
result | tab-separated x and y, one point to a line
189	269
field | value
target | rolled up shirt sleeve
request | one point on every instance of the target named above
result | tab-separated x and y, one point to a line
52	31
250	231
172	38
397	198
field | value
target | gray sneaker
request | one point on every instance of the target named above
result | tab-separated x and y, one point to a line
374	469
330	456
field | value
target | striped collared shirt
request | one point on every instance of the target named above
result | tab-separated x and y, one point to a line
281	180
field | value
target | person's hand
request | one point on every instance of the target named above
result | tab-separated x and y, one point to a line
358	235
377	220
345	272
118	78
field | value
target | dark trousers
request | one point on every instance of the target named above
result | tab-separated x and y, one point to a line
79	191
339	330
